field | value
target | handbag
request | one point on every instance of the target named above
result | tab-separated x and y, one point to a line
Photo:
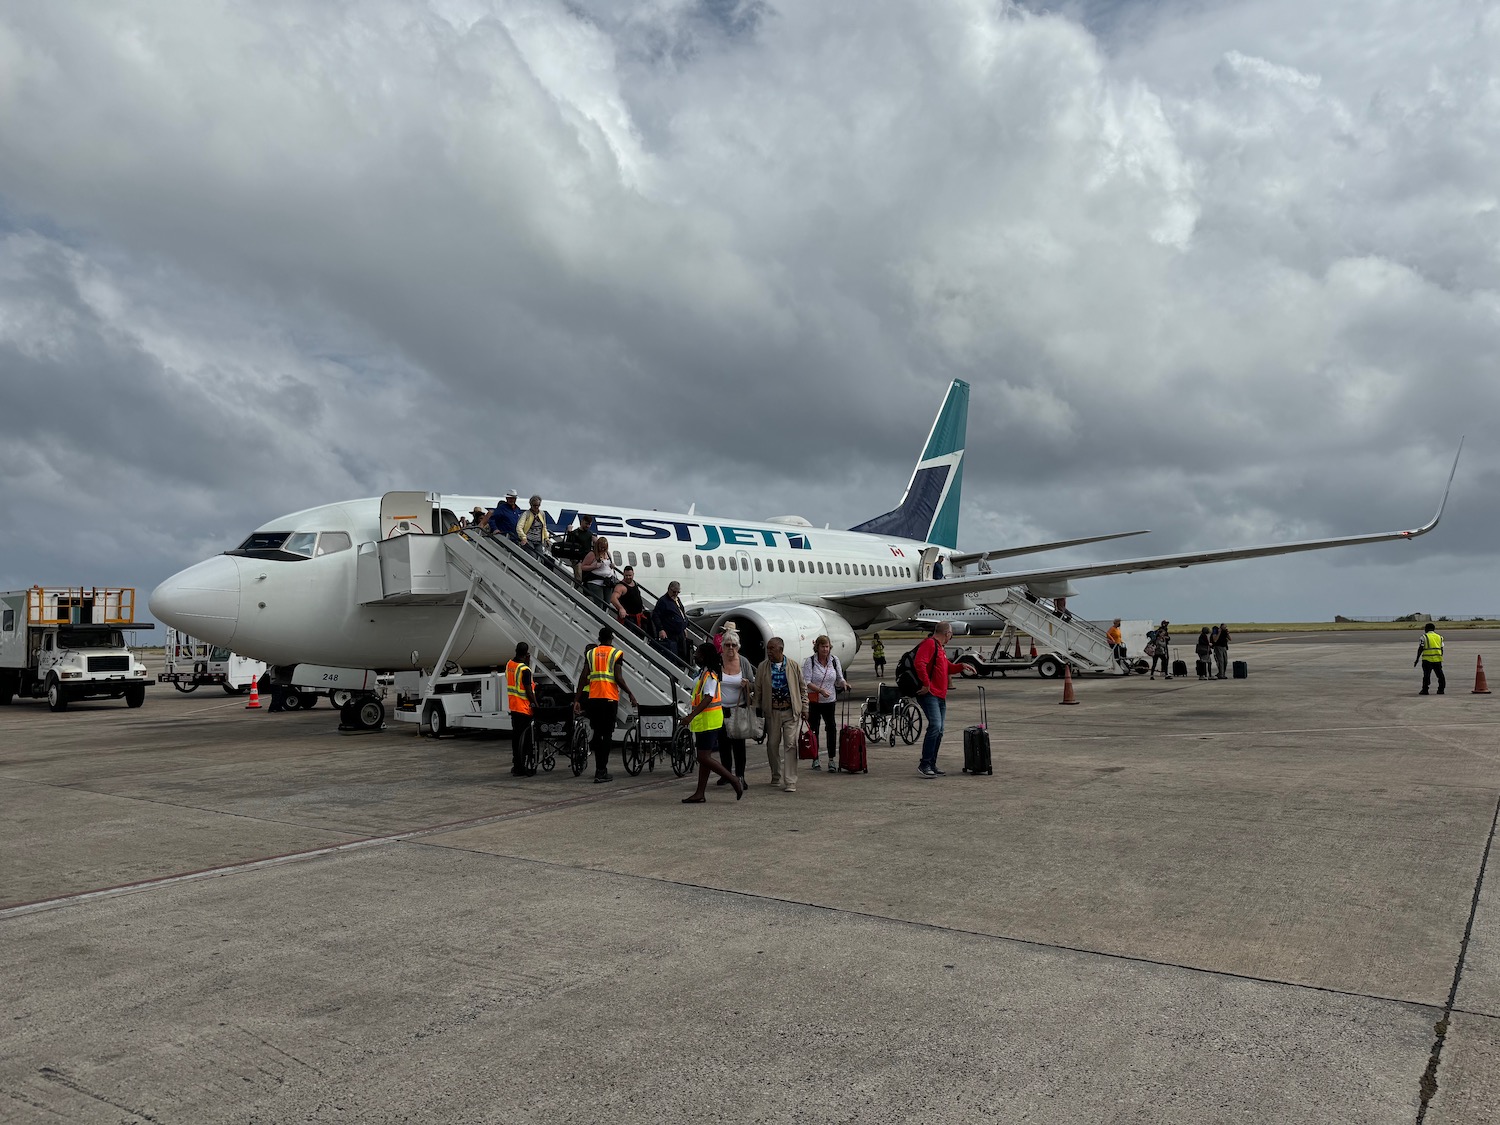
1150	649
807	742
744	723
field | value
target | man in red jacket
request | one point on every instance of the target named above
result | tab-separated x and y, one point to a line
932	697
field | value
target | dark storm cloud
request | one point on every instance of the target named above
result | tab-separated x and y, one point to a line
1226	271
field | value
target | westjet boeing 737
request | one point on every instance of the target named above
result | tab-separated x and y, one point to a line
290	593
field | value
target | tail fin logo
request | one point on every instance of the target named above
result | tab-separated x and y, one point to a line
929	509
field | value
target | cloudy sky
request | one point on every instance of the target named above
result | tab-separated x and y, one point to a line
1225	269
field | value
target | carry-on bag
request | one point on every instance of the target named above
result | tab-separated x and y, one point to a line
807	742
977	742
852	756
1179	667
1241	670
1201	667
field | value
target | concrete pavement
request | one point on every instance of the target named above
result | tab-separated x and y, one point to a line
1179	901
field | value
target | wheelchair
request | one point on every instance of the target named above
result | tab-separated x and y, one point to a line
890	716
655	733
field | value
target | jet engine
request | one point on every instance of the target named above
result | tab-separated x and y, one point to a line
798	626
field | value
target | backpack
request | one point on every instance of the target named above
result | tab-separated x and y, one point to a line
906	670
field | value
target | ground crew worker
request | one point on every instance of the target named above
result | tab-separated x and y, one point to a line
1430	656
599	697
706	721
520	698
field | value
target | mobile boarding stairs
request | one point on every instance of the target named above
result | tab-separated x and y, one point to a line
1063	636
497	579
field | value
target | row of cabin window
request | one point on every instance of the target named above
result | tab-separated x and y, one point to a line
799	566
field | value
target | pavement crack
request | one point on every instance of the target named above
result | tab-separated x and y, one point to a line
1429	1082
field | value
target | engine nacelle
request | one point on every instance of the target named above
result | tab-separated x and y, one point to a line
798	626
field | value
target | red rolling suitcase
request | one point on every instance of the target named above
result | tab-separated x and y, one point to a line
852	756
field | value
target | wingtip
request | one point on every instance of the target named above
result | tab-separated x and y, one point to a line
1443	503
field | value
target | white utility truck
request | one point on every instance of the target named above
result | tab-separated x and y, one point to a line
66	643
191	663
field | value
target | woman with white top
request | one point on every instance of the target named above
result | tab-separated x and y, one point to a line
599	569
737	685
825	679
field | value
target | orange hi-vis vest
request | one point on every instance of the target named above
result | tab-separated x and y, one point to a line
602	682
515	691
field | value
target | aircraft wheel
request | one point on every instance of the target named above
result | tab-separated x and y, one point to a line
435	721
369	713
290	700
340	696
57	698
187	687
135	695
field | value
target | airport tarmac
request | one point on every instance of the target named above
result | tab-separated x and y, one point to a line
1248	901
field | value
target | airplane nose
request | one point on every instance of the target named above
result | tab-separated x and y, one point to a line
203	600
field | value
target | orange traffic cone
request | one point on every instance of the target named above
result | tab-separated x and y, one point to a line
1033	649
1480	687
1068	684
1018	648
254	704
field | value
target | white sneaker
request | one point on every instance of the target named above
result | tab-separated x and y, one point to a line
789	789
817	764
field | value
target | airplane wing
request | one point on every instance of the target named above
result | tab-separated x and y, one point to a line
949	589
1036	548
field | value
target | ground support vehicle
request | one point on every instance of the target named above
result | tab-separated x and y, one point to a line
890	715
67	643
191	664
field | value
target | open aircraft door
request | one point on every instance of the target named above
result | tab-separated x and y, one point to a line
405	513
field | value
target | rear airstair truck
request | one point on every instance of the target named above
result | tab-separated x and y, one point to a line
67	643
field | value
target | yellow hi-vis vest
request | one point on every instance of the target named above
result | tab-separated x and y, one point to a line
515	691
711	717
1432	647
602	682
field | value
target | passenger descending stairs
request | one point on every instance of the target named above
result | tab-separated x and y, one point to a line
1081	642
542	605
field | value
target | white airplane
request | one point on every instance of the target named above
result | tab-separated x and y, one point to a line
287	594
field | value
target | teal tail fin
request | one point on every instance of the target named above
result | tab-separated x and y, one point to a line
929	509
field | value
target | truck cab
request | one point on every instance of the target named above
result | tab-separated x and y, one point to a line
68	644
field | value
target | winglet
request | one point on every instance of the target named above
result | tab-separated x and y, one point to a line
1426	527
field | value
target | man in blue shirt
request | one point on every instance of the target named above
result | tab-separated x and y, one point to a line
505	516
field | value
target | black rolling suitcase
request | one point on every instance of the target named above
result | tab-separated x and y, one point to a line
1201	667
1179	667
1240	669
977	742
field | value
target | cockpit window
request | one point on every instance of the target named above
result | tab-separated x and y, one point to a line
331	541
265	541
290	546
301	543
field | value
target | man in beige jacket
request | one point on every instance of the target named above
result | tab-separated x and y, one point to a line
780	695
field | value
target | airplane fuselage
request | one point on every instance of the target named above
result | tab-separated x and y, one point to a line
301	605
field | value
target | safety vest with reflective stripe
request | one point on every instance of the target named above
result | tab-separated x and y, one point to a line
1432	648
712	716
515	691
602	682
